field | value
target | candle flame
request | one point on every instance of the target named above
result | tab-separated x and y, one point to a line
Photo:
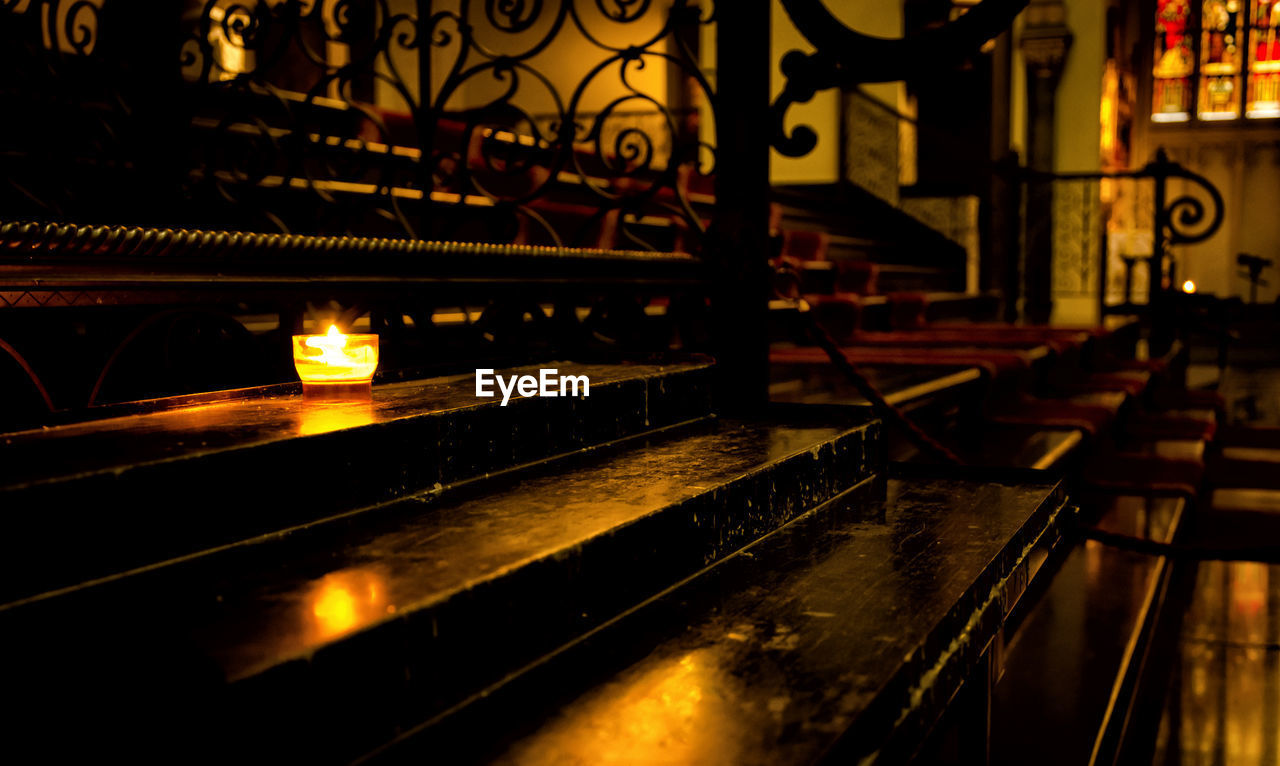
1188	287
332	345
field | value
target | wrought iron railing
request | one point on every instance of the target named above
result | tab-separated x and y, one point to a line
389	118
1075	253
407	119
1177	218
184	184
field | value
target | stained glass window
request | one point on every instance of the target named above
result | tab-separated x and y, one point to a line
1220	29
1264	60
1212	56
1174	62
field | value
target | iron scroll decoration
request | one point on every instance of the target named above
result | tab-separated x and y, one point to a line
1184	220
486	45
846	57
1181	216
320	101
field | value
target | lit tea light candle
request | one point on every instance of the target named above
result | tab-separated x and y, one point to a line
1188	287
334	365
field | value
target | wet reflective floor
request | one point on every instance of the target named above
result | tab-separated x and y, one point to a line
1222	705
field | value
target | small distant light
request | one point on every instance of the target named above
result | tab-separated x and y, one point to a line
1188	287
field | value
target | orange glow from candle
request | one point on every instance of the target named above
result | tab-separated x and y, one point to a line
335	417
335	357
346	600
1188	287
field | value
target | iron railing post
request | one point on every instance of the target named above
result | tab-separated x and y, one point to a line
1160	238
1161	335
739	251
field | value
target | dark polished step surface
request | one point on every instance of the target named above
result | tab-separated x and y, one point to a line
91	499
1072	664
332	639
842	635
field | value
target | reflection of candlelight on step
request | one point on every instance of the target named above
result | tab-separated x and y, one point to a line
334	365
334	417
346	600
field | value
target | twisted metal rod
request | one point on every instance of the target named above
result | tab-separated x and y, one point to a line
31	238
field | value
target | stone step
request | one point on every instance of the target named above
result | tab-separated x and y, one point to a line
842	636
92	499
330	641
1071	667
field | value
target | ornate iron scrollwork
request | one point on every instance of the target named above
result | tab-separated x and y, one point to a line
442	108
216	129
846	57
389	117
1183	219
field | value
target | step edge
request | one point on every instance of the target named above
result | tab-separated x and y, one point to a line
418	609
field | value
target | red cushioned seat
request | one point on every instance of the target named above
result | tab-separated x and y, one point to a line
594	229
857	276
1154	366
805	245
908	311
1132	384
934	336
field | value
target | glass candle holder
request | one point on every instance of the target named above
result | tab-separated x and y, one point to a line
335	366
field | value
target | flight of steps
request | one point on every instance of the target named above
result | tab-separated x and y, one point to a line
1137	449
268	579
1064	683
841	637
